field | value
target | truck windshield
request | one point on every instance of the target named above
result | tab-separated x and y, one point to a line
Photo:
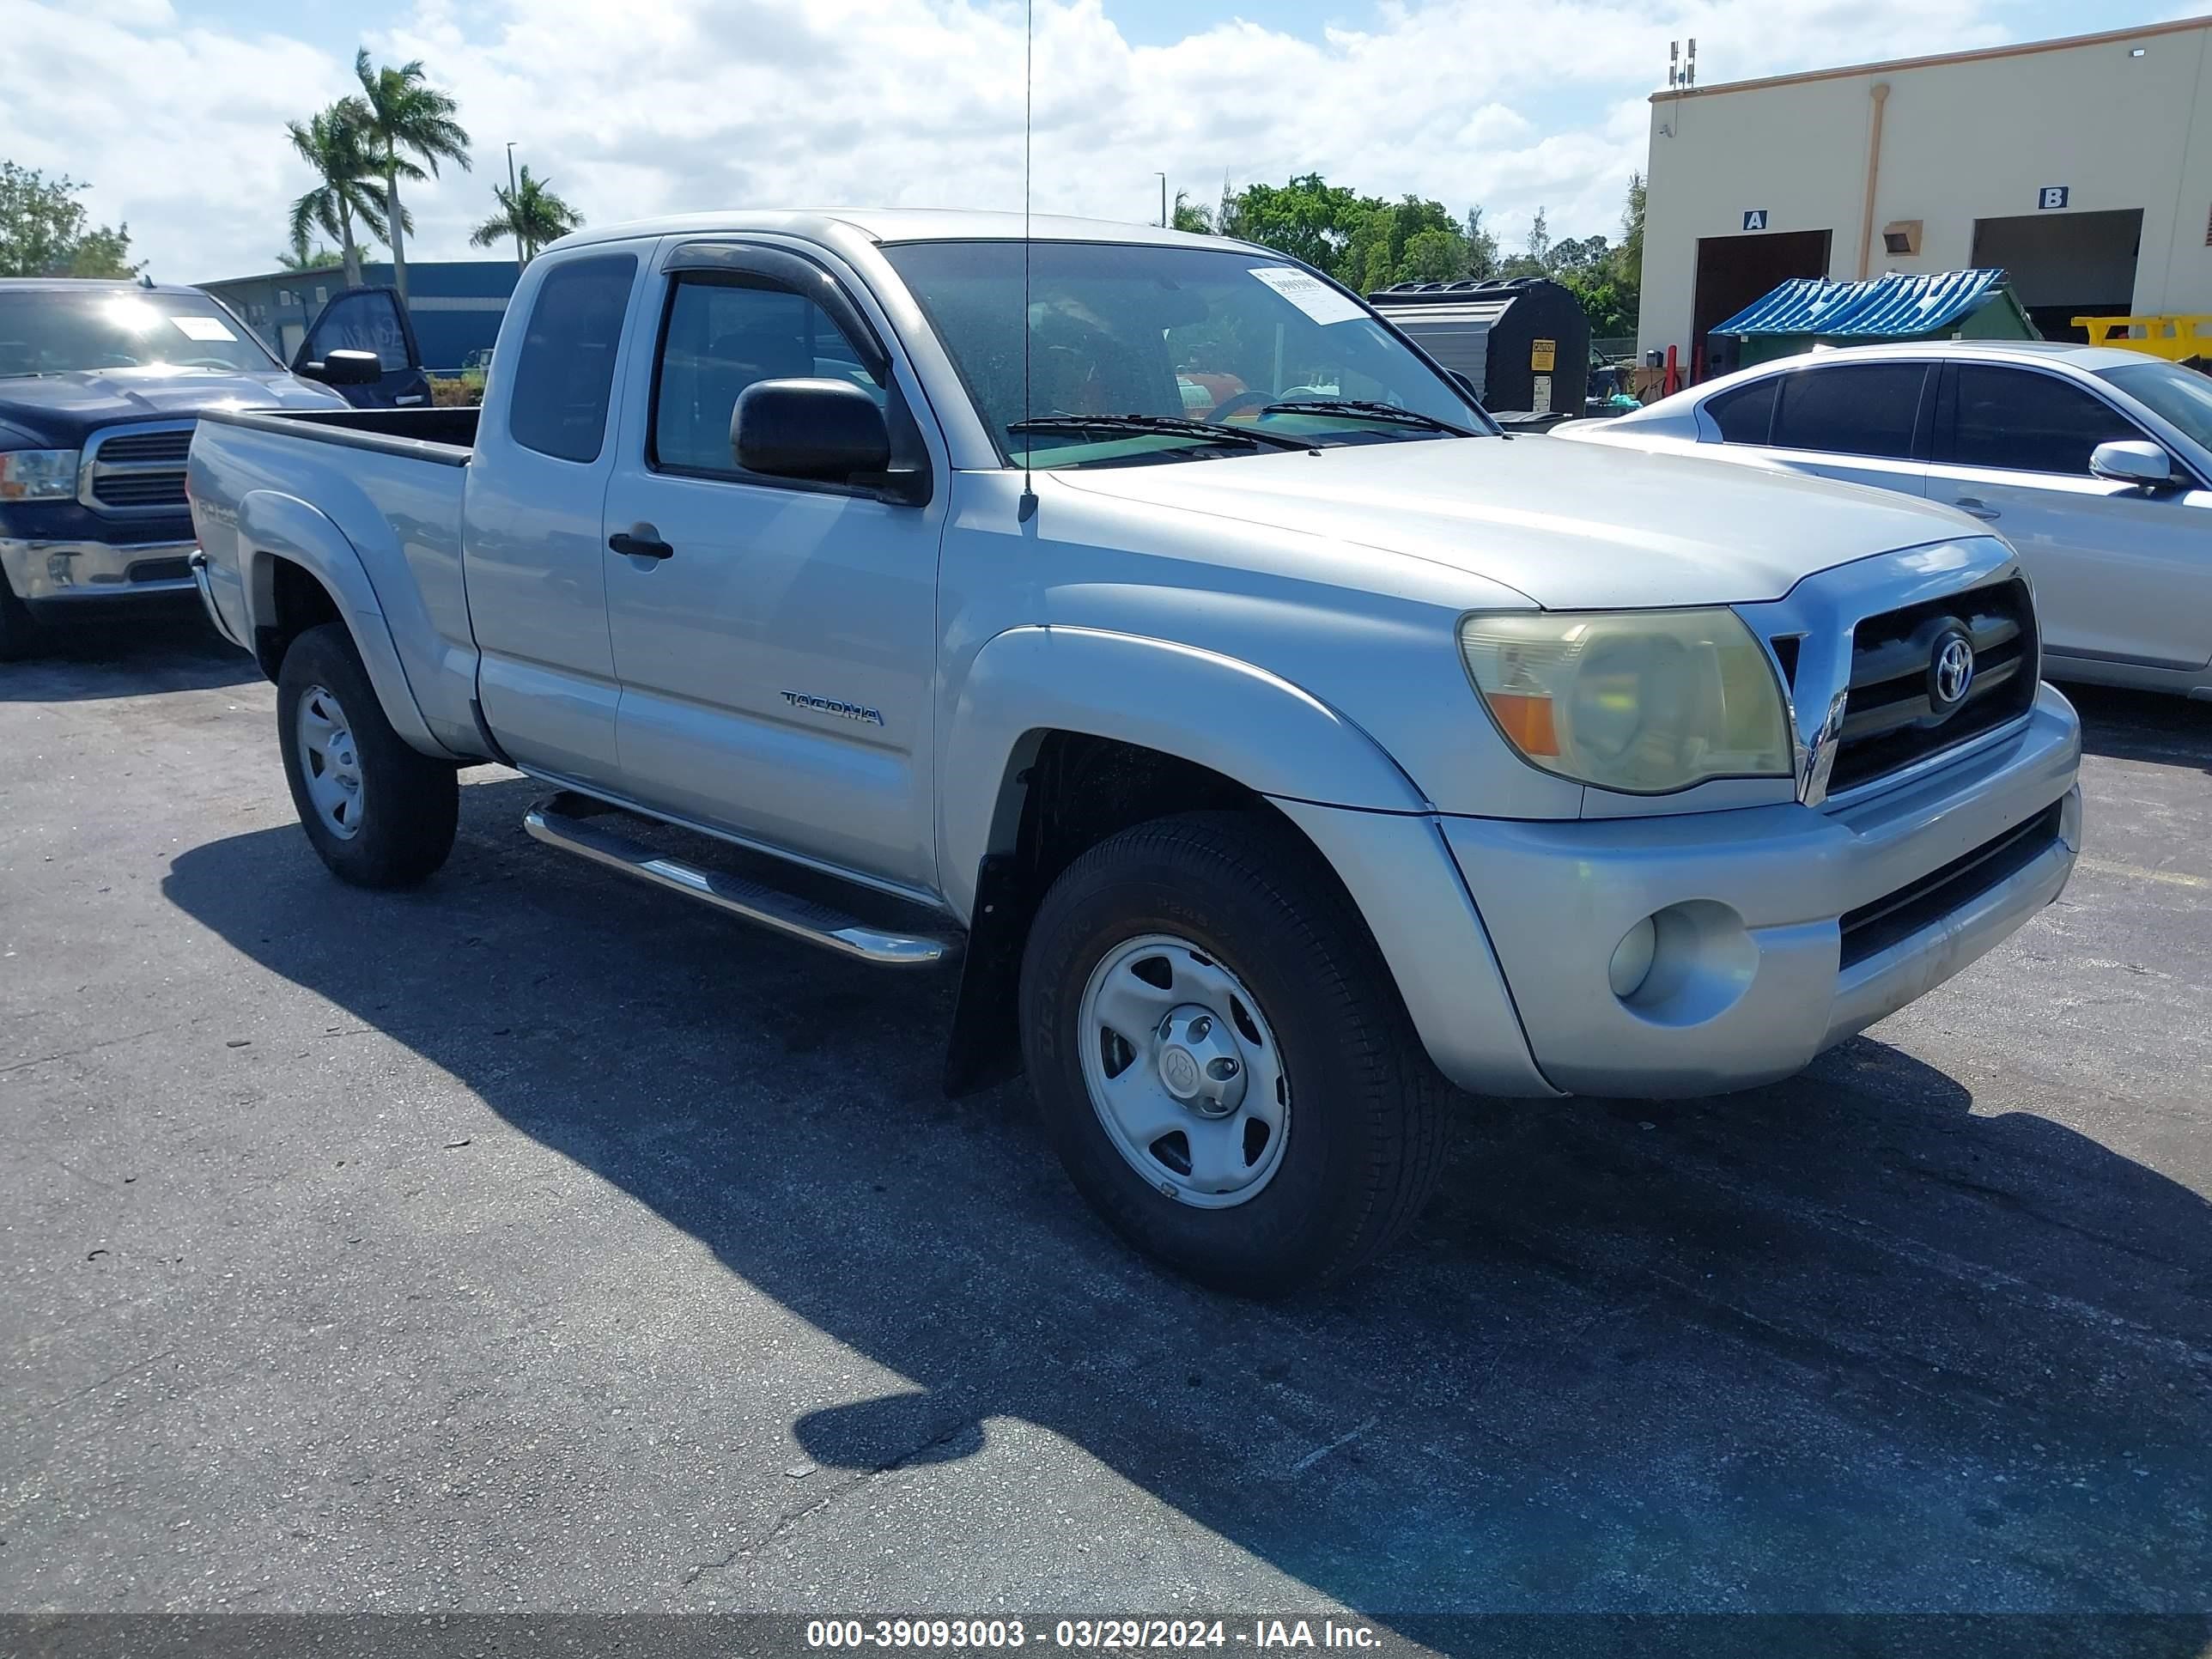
61	331
2182	395
1181	339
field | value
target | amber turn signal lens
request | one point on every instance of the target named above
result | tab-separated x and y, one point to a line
1526	721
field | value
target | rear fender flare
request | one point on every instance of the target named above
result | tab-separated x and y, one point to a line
274	526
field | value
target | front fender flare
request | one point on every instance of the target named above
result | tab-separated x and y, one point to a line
1215	711
272	526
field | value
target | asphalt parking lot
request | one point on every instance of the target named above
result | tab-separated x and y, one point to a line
536	1242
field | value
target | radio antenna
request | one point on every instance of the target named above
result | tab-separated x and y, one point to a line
1027	508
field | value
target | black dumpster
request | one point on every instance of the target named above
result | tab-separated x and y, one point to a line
1524	341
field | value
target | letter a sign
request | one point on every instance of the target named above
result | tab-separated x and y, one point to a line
1754	218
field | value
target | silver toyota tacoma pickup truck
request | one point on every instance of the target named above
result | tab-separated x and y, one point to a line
1139	619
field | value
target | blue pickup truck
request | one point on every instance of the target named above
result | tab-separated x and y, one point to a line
101	383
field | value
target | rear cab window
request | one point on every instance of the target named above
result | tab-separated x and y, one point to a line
564	369
1850	409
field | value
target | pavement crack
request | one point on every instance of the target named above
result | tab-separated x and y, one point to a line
790	1518
71	1054
113	1376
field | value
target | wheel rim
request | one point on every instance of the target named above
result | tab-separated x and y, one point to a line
1183	1072
330	761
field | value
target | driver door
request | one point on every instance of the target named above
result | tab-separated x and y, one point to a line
777	647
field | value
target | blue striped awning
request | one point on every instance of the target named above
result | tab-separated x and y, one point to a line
1895	306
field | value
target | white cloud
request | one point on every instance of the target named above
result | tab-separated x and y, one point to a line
658	106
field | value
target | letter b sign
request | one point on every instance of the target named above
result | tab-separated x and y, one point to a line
2051	196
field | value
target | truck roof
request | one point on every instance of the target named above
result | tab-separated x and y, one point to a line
893	225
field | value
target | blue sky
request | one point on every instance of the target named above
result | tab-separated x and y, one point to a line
174	109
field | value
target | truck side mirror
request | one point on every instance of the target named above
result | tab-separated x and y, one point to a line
823	430
345	368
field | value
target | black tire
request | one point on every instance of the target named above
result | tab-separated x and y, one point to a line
409	804
1365	1130
21	636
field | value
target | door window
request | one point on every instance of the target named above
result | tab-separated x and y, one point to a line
564	372
2023	421
1746	415
720	337
367	320
1850	409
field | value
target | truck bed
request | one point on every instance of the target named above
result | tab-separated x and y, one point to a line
369	504
444	436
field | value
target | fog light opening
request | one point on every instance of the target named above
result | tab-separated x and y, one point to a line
1632	958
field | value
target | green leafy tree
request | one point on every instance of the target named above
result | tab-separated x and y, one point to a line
1365	242
1481	245
331	142
1570	253
405	117
44	233
530	214
1308	219
1539	249
1434	256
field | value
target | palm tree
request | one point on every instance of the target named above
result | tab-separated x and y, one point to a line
330	142
402	111
530	213
301	257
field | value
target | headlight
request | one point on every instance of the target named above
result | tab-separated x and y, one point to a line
1646	701
37	475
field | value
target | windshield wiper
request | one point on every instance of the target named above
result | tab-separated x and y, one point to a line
1212	431
1361	406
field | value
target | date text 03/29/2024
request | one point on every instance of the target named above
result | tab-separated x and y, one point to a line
1090	1635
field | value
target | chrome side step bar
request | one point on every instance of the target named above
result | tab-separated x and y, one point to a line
564	821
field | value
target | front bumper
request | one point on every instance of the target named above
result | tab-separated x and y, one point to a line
54	577
1766	953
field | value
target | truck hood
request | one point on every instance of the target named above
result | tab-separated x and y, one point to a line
60	410
1573	527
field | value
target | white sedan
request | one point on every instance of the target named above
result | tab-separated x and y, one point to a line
2095	464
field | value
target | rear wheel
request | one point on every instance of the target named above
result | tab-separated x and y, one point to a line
1221	1059
379	813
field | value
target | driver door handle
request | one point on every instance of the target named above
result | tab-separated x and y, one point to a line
1976	508
641	541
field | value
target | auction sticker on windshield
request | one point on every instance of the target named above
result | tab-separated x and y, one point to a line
1310	294
202	328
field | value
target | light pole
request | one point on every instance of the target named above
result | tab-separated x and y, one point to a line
1164	201
512	206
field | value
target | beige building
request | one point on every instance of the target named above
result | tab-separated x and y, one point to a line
2083	166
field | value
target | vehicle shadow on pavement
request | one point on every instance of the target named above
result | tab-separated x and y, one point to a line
171	650
2143	726
1841	1344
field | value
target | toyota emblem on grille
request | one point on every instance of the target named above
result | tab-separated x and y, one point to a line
1950	671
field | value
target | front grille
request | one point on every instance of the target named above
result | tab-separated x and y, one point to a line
137	469
1873	928
171	447
139	490
159	570
1890	719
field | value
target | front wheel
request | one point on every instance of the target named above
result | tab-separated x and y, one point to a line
379	813
1221	1060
